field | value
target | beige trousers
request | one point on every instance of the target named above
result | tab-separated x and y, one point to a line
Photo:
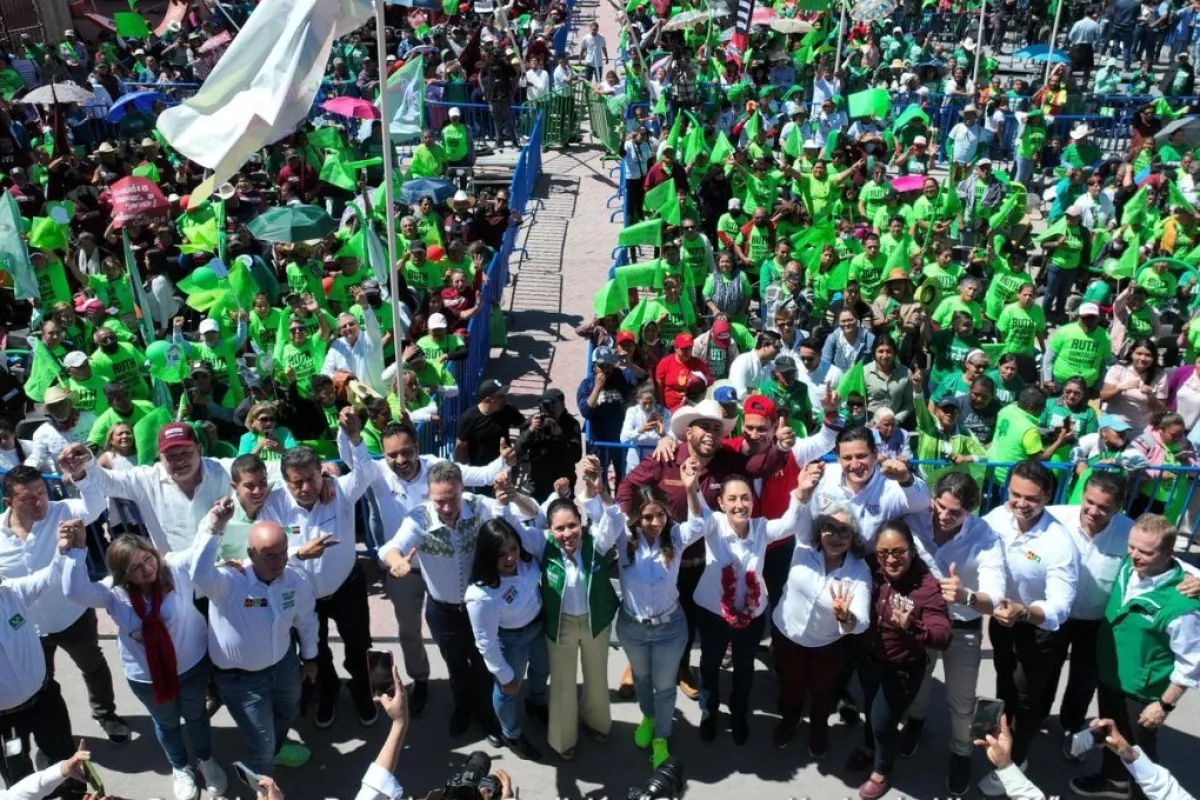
575	639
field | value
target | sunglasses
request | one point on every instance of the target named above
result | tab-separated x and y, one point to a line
836	530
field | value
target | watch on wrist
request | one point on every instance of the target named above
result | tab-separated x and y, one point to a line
970	599
1165	706
1024	615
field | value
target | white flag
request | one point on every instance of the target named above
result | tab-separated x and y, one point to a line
406	100
264	85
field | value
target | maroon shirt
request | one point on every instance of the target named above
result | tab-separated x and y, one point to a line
929	623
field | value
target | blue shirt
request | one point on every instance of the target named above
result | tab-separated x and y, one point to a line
609	413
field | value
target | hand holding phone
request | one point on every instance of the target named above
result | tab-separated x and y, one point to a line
379	672
986	719
247	776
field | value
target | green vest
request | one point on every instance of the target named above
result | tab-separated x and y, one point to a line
601	597
1133	648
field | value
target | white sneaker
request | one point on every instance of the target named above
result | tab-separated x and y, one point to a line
184	783
215	779
990	785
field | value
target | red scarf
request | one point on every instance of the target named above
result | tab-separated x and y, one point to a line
160	650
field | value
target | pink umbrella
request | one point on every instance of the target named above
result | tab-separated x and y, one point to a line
908	183
352	107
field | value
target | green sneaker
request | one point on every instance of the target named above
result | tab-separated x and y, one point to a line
659	754
292	754
643	733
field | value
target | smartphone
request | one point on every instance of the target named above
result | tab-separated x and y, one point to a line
379	672
986	721
246	776
93	778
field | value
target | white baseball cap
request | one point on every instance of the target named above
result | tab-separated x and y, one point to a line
210	326
1089	310
74	359
455	113
438	321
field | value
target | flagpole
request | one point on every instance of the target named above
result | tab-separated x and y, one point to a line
837	58
389	155
979	44
1053	36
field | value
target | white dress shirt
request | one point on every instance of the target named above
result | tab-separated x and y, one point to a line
18	559
826	374
977	557
35	786
48	441
1041	566
444	554
364	359
805	610
1183	631
747	371
379	784
746	555
185	624
22	661
302	525
1099	559
880	499
1156	782
632	433
515	603
250	622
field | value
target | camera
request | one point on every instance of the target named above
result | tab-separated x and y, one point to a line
474	778
666	783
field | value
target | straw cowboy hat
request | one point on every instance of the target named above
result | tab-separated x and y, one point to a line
704	410
56	394
358	392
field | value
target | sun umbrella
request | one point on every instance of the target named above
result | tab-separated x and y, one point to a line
440	190
908	183
142	101
352	107
1041	52
56	93
871	10
292	224
763	15
1191	132
791	26
681	22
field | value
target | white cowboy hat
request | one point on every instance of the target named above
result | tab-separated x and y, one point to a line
226	191
1081	130
704	410
968	44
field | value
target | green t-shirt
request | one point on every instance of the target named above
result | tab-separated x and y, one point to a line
1083	423
303	279
52	284
1016	438
424	277
304	361
433	349
947	277
116	294
1068	254
125	366
869	272
1020	327
1006	393
1001	290
1078	353
105	422
1033	139
1159	285
454	141
264	332
949	306
89	394
342	284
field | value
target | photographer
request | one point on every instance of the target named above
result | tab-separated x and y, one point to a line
550	445
602	397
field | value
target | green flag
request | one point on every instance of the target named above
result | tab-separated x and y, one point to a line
877	102
46	234
659	196
328	137
752	127
1162	109
831	143
1001	217
791	143
660	107
199	227
14	255
671	212
949	198
814	5
722	150
1125	266
610	299
913	111
1053	231
899	257
1134	213
1175	198
853	382
337	172
693	144
647	310
450	8
44	371
131	25
673	135
648	232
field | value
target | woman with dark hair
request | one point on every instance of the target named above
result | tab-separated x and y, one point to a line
163	642
826	599
1007	378
1136	388
889	383
908	615
730	598
651	625
505	608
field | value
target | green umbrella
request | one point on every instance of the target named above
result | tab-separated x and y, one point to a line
292	224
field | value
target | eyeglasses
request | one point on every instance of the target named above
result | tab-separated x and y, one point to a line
899	552
689	228
838	531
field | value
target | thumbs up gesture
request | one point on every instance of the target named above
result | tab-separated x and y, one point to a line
952	589
399	564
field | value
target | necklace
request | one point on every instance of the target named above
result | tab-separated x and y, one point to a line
739	618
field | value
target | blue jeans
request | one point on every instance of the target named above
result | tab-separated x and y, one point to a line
263	704
522	647
654	652
1058	289
189	705
888	691
1023	170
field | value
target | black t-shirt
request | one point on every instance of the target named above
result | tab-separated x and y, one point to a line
483	432
981	422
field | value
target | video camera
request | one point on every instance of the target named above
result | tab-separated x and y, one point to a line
666	783
474	778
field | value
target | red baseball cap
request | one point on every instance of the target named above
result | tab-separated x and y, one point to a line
759	406
176	434
683	340
626	336
721	332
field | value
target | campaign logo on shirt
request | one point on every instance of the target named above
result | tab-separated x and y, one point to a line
16	622
289	600
510	596
256	602
295	530
1032	556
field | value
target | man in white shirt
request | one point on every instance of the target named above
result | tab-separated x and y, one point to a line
31	703
1041	571
965	555
400	484
825	87
358	351
1148	650
321	543
537	80
749	370
439	537
252	612
65	425
816	373
964	138
638	153
593	51
28	543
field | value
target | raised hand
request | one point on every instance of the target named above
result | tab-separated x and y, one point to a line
901	611
403	564
593	477
350	422
71	534
665	450
220	513
502	486
896	470
72	459
689	473
831	404
806	482
841	593
951	587
785	436
507	452
315	548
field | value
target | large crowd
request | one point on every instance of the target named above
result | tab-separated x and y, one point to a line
858	385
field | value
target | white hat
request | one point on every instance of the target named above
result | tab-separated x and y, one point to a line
1089	310
455	113
792	108
459	197
984	162
1081	130
704	410
920	140
139	52
226	191
812	144
735	204
209	326
970	110
74	359
437	321
56	394
968	44
391	58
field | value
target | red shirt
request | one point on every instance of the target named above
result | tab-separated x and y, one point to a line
672	377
